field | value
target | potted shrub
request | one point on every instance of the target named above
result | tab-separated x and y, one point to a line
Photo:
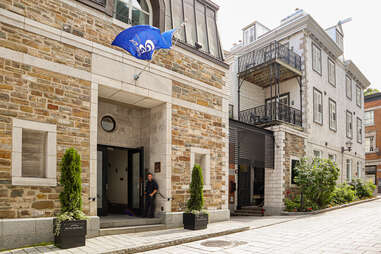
70	226
194	218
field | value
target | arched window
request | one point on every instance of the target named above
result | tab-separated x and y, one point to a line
134	12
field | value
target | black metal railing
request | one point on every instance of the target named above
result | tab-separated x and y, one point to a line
268	53
270	113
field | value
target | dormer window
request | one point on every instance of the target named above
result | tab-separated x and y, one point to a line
249	35
252	32
339	39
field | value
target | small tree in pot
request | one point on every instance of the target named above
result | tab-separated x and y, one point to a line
194	218
70	226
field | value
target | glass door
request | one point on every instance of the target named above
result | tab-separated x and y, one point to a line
136	180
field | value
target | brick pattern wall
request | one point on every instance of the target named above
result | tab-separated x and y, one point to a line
294	147
58	14
193	128
194	95
35	94
39	46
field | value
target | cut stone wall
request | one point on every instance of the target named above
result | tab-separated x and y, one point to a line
191	128
34	94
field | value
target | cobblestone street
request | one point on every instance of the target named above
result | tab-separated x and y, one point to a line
356	229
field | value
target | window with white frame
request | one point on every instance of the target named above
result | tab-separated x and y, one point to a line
249	35
317	154
358	169
369	118
349	170
369	144
316	58
332	115
33	153
359	130
134	12
318	106
331	72
332	157
349	124
358	96
348	87
201	157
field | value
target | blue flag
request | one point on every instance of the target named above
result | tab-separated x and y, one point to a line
141	41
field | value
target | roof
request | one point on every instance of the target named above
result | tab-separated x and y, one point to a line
355	71
372	97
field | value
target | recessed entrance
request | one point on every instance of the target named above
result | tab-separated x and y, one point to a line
120	181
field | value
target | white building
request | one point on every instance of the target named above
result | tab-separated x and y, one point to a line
294	80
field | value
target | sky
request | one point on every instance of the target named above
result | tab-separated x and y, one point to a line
362	36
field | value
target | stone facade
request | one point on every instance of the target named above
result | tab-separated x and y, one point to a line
31	93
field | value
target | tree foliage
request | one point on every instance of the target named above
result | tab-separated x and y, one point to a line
70	197
196	201
370	91
317	180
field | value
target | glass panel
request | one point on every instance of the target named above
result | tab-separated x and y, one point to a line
168	16
177	15
122	11
190	19
99	179
135	180
139	17
212	32
143	5
348	85
33	153
201	26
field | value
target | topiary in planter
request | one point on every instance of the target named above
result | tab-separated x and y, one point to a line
194	218
70	226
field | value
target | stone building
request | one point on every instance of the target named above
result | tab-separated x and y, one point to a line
294	82
63	85
372	122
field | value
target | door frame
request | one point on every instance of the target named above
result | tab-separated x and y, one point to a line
103	148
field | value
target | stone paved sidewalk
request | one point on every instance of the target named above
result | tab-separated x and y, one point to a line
137	242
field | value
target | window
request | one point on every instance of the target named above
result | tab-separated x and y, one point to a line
358	169
369	144
168	15
332	157
212	32
134	12
201	157
339	40
348	87
359	130
294	172
201	26
332	115
231	111
331	72
369	118
34	153
190	28
349	170
317	154
316	58
177	15
358	96
101	5
249	35
349	125
318	106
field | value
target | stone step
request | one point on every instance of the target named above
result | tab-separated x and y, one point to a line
127	222
133	229
251	209
246	214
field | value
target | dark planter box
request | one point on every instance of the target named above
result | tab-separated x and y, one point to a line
72	234
195	221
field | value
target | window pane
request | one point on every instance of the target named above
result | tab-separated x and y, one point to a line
201	26
33	153
122	11
316	58
190	19
294	172
348	85
331	72
139	17
168	16
358	95
212	33
177	15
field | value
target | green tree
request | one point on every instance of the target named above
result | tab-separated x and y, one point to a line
317	180
70	197
196	201
370	91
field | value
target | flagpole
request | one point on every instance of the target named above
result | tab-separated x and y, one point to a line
137	76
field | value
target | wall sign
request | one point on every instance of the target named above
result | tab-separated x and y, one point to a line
157	167
108	123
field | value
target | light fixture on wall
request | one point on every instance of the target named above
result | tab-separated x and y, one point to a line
198	45
348	144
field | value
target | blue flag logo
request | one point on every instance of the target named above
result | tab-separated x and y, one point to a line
141	41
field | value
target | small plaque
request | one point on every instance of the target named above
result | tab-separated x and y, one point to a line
157	167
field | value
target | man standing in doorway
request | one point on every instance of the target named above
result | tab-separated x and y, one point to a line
150	192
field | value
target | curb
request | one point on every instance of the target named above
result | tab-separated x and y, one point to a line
176	242
284	213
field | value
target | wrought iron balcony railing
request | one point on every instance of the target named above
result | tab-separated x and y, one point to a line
271	113
273	51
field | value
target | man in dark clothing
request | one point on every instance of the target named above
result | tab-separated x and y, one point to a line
150	192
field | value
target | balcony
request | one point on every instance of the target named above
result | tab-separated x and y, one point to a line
271	114
255	66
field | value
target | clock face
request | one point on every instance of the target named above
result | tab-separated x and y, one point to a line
108	123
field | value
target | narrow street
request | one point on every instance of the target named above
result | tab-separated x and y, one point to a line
356	229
